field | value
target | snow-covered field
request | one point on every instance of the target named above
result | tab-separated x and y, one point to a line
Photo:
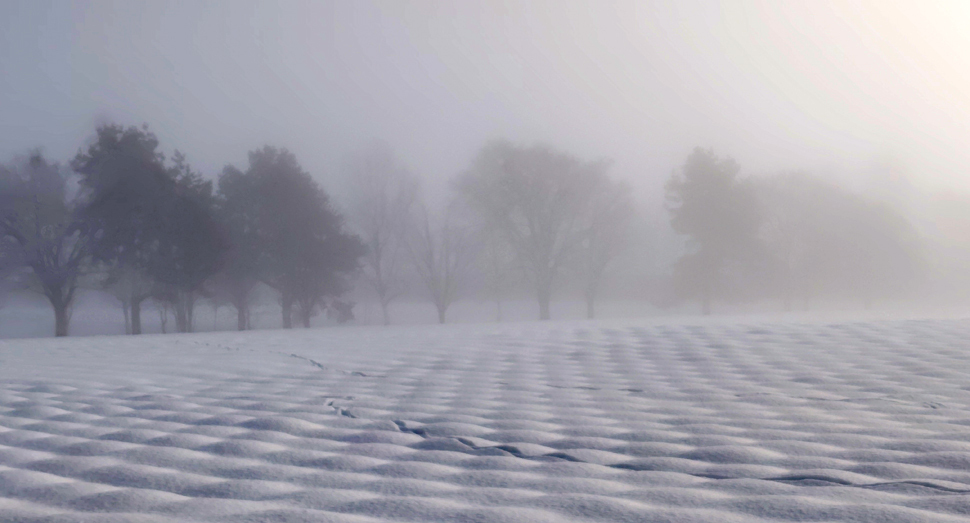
609	421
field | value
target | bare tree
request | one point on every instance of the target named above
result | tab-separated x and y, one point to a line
384	193
538	199
11	264
38	215
606	235
793	232
497	264
442	252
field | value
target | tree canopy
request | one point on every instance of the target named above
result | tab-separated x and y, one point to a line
539	200
721	216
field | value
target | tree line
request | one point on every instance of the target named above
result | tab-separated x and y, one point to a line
124	218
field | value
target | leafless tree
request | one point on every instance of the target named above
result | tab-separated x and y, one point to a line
497	263
791	234
538	198
442	252
606	235
11	264
37	214
383	195
162	307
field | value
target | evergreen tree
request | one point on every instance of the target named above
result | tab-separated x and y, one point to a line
305	252
721	216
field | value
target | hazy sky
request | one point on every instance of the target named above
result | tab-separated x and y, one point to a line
829	87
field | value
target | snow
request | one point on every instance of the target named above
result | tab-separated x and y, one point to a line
714	421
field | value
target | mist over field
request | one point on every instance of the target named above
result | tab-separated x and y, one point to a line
177	166
497	261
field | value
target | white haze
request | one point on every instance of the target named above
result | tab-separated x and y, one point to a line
871	95
832	88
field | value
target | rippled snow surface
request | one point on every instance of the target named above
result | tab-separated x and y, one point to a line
616	421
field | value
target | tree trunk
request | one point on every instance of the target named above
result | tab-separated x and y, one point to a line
287	306
136	316
708	290
181	322
305	313
385	311
189	298
241	314
61	319
442	309
543	294
240	300
125	308
184	301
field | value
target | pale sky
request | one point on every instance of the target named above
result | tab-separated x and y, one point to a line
827	87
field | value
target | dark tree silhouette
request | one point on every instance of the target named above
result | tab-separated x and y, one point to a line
238	211
306	254
193	245
149	223
38	220
720	215
539	200
124	176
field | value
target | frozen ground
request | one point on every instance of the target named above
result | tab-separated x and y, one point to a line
28	315
610	421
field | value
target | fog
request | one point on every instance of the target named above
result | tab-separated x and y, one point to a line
867	98
822	87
